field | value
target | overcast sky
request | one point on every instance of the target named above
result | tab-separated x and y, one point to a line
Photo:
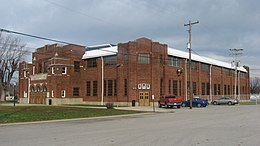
223	24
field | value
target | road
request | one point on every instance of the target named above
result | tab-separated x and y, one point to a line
237	125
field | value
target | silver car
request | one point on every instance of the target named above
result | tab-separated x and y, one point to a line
225	100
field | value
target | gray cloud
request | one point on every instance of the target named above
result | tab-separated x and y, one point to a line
223	24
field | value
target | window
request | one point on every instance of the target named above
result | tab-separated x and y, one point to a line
243	75
126	59
161	87
38	89
228	89
39	68
110	60
45	67
63	93
169	86
64	70
175	87
44	89
225	89
203	88
215	89
228	72
105	88
32	89
208	88
25	73
95	88
161	59
193	65
53	70
33	71
110	88
194	86
219	89
76	91
76	66
52	93
173	61
92	62
144	58
205	67
88	88
115	88
125	87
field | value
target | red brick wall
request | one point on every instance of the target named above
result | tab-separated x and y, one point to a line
134	72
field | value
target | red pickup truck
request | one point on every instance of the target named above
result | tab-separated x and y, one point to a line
170	101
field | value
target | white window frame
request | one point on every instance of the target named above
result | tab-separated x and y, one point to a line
24	73
33	70
52	93
65	70
63	93
52	70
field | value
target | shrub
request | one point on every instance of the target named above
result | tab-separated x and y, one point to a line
110	105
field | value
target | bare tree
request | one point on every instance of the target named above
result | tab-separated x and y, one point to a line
12	52
255	85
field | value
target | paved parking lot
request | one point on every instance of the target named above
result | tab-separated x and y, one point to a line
237	125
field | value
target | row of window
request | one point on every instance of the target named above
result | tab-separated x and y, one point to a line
175	87
38	89
110	88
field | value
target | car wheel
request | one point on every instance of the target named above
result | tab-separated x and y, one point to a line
183	105
215	103
178	106
229	103
199	105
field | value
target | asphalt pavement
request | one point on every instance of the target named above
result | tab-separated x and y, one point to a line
237	125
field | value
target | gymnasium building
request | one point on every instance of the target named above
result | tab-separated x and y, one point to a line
126	74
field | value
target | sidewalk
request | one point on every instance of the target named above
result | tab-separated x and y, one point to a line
148	109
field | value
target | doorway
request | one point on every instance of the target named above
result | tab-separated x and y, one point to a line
144	99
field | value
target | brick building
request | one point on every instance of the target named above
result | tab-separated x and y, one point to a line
125	74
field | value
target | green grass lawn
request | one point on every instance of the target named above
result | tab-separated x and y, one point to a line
10	114
249	103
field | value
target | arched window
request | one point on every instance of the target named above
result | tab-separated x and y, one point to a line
44	89
32	89
38	89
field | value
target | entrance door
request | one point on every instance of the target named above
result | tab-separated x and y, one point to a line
144	99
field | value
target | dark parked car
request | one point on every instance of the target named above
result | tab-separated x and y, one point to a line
196	102
225	100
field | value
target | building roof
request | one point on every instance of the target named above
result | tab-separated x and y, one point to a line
100	52
113	50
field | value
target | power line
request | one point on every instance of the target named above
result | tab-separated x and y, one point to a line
34	36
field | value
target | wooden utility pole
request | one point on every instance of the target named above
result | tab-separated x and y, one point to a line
236	63
189	47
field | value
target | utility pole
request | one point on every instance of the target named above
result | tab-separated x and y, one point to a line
189	47
236	63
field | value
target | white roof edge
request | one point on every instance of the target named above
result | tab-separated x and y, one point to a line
182	54
174	52
100	52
